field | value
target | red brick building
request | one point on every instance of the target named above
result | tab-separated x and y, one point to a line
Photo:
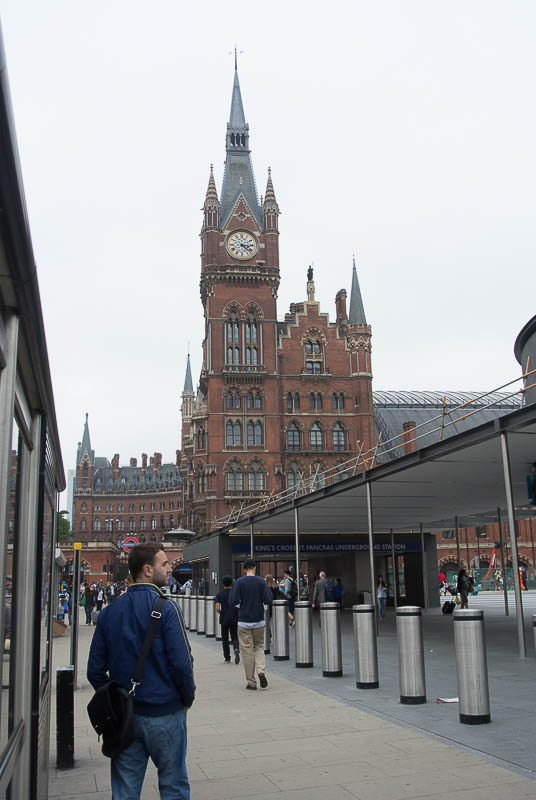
111	502
277	399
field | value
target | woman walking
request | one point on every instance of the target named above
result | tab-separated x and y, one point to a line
381	595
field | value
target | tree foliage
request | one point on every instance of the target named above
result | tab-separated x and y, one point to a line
63	527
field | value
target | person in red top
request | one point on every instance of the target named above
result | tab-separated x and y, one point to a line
442	578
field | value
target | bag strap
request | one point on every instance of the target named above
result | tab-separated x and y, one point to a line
156	613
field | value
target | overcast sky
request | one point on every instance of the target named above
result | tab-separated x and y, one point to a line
402	130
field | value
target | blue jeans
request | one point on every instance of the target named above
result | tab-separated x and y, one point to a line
164	740
381	607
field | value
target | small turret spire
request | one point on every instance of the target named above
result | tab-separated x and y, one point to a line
188	383
211	198
357	312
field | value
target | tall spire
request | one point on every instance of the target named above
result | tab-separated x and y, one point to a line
211	197
85	445
238	177
357	312
188	384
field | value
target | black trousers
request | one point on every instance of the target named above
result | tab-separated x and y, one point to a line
229	631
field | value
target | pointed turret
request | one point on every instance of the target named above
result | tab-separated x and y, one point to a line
270	209
85	446
238	177
357	312
188	384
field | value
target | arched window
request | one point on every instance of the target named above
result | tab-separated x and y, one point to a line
293	437
162	523
237	355
131	507
251	329
317	472
254	434
251	356
254	400
121	525
96	524
84	507
296	400
337	400
131	524
289	402
201	439
232	328
255	477
234	477
338	437
229	355
172	521
83	525
237	433
316	437
153	524
236	400
293	476
229	433
143	524
312	400
230	398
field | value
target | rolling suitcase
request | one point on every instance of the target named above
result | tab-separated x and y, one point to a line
448	607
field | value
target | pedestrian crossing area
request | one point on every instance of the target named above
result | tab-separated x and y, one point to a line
494	601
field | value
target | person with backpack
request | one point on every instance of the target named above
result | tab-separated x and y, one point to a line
464	586
290	590
228	621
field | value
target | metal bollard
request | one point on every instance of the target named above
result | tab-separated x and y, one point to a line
471	666
303	640
280	630
186	610
217	626
201	615
210	603
180	601
366	652
410	655
534	628
267	630
330	625
193	612
65	717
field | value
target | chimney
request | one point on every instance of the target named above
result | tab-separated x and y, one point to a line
177	458
340	305
410	444
151	461
115	465
143	463
133	462
158	460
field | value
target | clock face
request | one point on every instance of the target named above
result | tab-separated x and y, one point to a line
242	245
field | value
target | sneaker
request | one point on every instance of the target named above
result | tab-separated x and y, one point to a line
262	680
250	686
237	657
228	660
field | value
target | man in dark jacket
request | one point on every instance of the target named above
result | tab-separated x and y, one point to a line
167	686
251	592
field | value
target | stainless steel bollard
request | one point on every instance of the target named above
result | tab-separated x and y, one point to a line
210	604
180	601
471	666
217	626
193	612
280	630
200	614
534	628
303	640
186	610
267	630
366	651
410	655
330	625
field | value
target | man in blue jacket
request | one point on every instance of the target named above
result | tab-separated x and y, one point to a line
167	687
251	593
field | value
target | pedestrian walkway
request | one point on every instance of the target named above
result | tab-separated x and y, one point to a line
288	742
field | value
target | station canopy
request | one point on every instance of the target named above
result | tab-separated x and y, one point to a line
461	476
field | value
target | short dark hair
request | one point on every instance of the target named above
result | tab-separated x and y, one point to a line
250	563
227	580
142	554
288	572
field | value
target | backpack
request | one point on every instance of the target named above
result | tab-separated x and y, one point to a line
331	596
293	589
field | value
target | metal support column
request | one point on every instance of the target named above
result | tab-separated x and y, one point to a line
457	542
532	542
74	600
297	534
424	571
395	569
503	564
522	645
371	548
251	547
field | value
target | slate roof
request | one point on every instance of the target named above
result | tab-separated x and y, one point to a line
131	479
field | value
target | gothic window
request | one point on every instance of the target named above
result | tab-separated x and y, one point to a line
252	356
120	507
131	507
236	400
142	506
229	355
338	437
84	483
131	524
234	477
109	507
97	507
313	357
312	400
254	400
255	477
153	524
293	476
296	400
162	523
201	439
171	521
236	359
337	400
96	524
108	525
254	434
232	328
317	472
293	437
84	507
316	437
319	400
229	433
237	433
143	524
313	367
153	506
120	524
289	402
230	399
251	329
83	525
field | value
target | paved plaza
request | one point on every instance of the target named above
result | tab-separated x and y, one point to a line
309	737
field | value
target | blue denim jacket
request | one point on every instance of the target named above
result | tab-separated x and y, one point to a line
167	683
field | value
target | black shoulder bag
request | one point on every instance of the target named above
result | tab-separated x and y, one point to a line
111	709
